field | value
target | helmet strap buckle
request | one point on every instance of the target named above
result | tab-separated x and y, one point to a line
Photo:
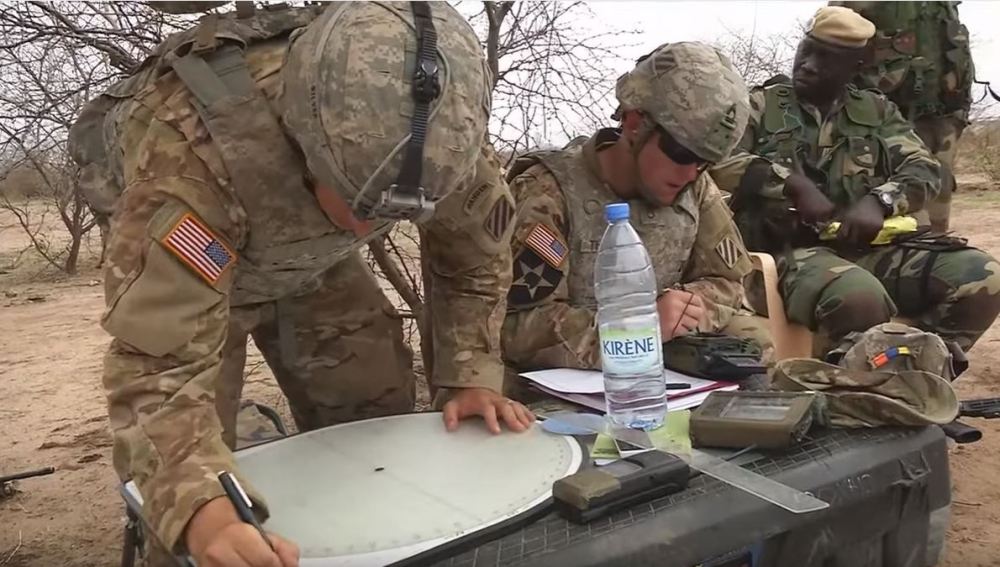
406	198
399	202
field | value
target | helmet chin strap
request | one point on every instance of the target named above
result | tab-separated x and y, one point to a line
642	135
405	199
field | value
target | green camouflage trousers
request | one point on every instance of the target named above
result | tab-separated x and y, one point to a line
955	294
345	358
940	134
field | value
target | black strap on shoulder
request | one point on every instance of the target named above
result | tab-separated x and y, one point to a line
987	89
405	198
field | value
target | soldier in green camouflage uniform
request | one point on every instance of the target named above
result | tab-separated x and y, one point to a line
923	63
255	164
682	108
819	149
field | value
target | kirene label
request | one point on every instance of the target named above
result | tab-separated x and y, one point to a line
631	351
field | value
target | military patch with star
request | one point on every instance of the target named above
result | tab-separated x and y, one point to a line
534	279
729	251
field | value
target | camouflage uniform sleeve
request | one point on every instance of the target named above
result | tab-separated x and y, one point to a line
719	260
542	329
160	381
728	174
468	257
915	177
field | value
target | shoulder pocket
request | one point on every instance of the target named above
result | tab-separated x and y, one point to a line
159	308
863	152
162	301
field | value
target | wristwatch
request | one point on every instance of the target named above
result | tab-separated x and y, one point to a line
888	202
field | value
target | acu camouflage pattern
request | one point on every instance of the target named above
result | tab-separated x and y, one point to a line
947	287
332	119
860	398
923	63
332	339
551	317
692	91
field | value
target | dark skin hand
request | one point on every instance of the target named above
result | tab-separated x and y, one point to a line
812	205
862	222
820	76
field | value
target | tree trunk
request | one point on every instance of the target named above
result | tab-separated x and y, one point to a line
73	254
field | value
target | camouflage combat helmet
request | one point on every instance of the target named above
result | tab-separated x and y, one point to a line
358	82
692	91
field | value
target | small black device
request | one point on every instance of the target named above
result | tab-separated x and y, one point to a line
597	491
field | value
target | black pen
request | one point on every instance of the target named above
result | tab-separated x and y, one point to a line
242	503
678	386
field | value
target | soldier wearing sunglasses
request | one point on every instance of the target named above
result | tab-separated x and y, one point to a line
681	109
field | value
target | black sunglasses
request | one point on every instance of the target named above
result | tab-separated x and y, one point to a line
677	152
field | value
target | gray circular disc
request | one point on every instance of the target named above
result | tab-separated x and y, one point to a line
376	491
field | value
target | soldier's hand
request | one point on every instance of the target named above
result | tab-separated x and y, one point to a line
862	222
216	537
491	406
812	205
680	313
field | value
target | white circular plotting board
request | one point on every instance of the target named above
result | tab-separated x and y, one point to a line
373	492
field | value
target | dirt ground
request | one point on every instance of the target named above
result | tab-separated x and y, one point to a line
52	413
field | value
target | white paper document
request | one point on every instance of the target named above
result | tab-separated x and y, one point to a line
573	381
586	387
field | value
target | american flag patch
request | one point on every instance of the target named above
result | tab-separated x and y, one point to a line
547	245
197	247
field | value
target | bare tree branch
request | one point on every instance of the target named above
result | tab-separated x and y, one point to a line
552	79
54	57
758	58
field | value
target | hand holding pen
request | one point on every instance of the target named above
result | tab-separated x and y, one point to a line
224	532
680	312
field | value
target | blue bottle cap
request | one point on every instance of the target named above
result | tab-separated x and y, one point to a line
616	212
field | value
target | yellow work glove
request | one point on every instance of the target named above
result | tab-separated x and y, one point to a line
891	228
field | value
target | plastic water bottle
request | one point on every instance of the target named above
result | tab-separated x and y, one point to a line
629	326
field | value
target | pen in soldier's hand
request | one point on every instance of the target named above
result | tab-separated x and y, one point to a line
680	287
242	503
